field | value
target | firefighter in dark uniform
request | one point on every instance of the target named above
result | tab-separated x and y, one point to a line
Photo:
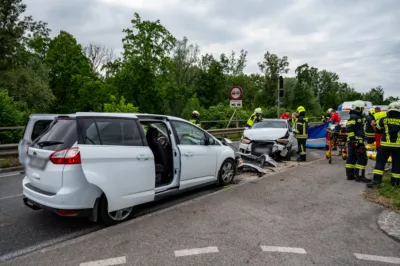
254	118
357	153
301	132
390	146
369	129
194	118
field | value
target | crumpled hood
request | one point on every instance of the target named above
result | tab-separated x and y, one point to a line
265	133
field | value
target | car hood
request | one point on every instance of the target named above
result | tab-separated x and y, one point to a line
265	133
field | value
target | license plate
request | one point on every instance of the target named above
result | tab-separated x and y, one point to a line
37	163
260	150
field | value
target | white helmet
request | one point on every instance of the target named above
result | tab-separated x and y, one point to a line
394	106
195	113
358	106
258	111
330	110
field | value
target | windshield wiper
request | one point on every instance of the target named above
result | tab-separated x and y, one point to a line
49	143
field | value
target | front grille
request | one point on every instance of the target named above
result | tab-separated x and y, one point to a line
260	148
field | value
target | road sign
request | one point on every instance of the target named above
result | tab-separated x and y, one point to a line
236	103
236	93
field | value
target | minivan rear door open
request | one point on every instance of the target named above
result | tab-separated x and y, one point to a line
115	159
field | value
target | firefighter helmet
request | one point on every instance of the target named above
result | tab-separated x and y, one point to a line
394	106
258	110
300	109
358	106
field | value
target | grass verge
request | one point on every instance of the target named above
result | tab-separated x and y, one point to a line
386	195
7	162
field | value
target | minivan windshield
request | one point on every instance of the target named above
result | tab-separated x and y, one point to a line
61	134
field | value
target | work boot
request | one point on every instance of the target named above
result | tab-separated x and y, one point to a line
372	184
350	177
363	179
302	158
395	182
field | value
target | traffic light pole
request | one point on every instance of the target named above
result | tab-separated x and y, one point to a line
279	98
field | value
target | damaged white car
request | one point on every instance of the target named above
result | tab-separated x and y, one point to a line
273	137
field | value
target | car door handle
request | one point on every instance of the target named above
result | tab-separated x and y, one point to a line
142	157
188	154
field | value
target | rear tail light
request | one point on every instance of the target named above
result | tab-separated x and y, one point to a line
67	212
67	156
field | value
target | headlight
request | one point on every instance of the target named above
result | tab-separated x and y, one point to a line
245	140
282	141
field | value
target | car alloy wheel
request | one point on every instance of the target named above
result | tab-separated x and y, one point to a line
227	172
120	215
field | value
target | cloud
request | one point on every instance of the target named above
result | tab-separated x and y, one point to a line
359	40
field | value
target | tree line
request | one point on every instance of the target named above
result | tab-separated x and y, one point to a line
156	73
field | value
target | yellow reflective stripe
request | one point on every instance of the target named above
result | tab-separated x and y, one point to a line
350	166
377	172
394	145
370	134
352	122
301	136
395	175
361	167
398	137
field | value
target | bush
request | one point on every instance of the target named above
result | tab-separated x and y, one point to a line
11	114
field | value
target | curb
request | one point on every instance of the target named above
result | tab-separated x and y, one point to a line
11	169
389	223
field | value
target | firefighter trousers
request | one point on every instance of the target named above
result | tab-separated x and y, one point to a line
356	160
381	159
302	148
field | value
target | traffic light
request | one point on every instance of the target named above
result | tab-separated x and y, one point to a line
280	86
280	82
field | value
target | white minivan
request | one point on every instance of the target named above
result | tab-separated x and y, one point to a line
101	165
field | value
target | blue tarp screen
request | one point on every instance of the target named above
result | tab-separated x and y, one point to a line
317	136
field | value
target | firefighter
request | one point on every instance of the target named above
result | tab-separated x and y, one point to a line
369	129
254	118
390	146
357	154
301	132
194	118
378	132
327	116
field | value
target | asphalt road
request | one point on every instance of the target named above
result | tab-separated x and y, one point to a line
305	215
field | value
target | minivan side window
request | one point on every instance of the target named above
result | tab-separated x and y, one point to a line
61	135
188	134
39	127
109	131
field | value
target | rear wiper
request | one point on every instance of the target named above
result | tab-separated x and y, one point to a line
49	143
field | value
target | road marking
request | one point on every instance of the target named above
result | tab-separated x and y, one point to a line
107	262
12	174
393	260
9	197
195	251
284	249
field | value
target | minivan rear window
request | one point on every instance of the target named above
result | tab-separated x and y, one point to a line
60	135
39	127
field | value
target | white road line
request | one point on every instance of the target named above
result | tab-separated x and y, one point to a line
393	260
9	197
195	251
284	249
107	262
11	174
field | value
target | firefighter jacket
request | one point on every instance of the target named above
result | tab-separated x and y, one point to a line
355	127
196	121
253	119
377	117
390	127
301	126
369	130
325	118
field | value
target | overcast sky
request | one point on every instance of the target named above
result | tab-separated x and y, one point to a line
358	39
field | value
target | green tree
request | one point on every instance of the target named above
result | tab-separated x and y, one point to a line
119	106
11	114
375	95
272	66
66	60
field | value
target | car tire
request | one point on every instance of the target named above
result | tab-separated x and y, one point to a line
227	172
116	217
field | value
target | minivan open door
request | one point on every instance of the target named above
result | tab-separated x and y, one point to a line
126	175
